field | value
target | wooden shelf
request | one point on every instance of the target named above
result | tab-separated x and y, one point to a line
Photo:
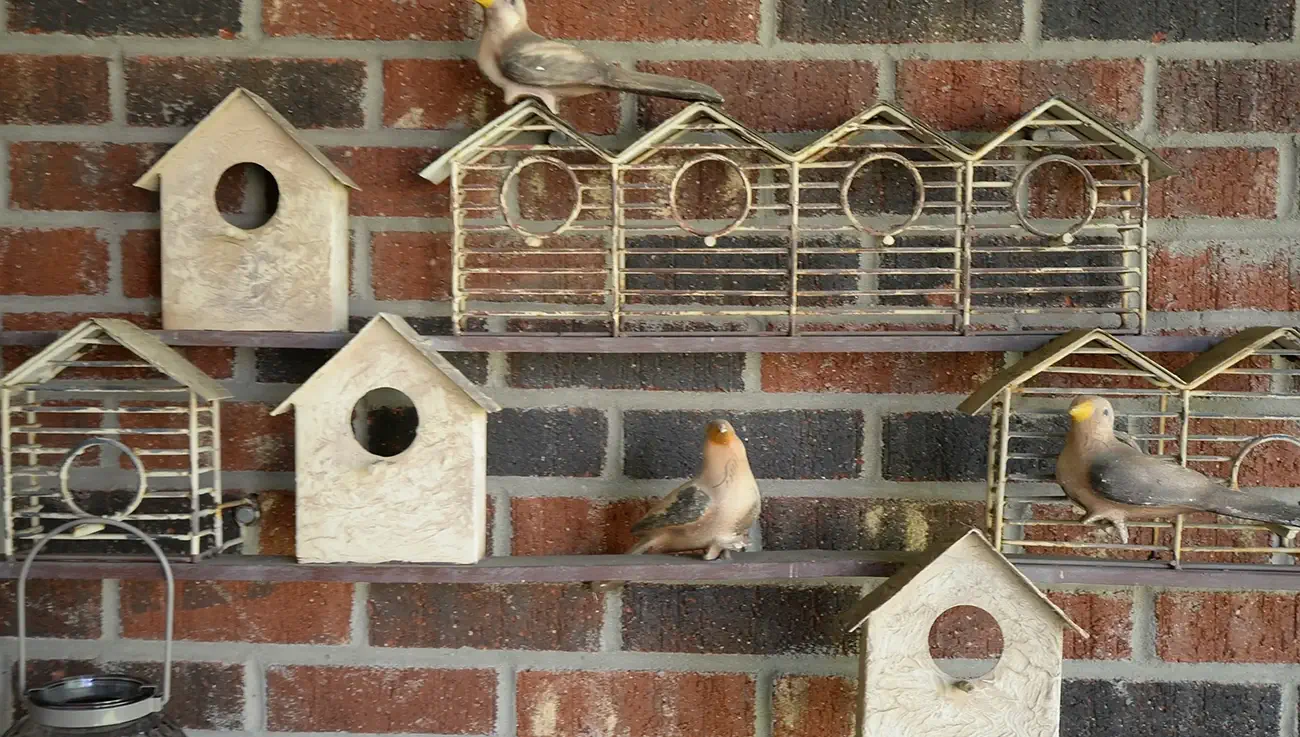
792	565
811	343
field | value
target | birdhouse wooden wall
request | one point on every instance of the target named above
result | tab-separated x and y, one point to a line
288	272
903	692
422	500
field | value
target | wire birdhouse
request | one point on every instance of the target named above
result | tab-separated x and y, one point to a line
107	421
882	225
1224	414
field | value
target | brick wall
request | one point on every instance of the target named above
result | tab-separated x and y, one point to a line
854	451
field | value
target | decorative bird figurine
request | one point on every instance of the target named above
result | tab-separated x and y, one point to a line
1115	482
711	512
524	64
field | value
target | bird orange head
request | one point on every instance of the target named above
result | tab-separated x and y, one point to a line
1092	409
720	432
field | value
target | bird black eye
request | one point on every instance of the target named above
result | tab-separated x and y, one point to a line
1105	413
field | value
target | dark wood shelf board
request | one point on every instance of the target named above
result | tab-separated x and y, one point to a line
648	344
791	565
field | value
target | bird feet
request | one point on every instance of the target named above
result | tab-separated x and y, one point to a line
1113	521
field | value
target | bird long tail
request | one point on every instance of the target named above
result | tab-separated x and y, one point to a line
659	85
1255	507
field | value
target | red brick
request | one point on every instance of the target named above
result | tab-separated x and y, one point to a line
447	93
1217	182
795	95
295	612
142	264
1269	465
81	81
370	20
53	262
508	617
814	706
69	320
1227	627
965	632
1224	276
310	698
878	373
573	526
1229	95
278	525
253	440
410	266
724	20
989	95
390	181
634	704
1107	618
81	176
181	91
64	609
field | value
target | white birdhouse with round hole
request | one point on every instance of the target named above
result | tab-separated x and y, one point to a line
904	692
390	454
254	225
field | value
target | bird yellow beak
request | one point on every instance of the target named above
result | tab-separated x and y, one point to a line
484	3
1081	412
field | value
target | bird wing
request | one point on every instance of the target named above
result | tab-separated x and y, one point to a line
1127	476
534	61
684	505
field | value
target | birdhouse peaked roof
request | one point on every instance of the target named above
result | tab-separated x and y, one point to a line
511	121
1087	126
967	547
1046	356
1228	352
45	365
680	124
241	96
399	328
898	120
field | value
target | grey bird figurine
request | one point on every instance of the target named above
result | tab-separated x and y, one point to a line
524	64
711	512
1115	482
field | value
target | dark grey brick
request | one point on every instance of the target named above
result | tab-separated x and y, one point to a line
180	91
118	17
657	371
1180	709
288	365
1169	20
546	442
787	444
935	446
762	620
920	21
811	523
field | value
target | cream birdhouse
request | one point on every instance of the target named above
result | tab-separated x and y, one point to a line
902	692
418	494
283	267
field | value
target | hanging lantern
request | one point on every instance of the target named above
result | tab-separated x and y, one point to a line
103	705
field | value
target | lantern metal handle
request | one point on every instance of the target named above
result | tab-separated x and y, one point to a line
22	595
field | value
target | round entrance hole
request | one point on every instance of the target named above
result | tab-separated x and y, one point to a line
546	189
385	422
965	642
710	187
247	196
1055	187
880	188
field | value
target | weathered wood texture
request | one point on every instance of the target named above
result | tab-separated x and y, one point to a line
290	273
426	504
904	693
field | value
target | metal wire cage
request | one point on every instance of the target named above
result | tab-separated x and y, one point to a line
1231	413
107	421
882	225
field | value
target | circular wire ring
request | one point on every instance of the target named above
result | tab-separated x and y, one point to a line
1019	193
916	178
677	180
514	174
77	450
1253	444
